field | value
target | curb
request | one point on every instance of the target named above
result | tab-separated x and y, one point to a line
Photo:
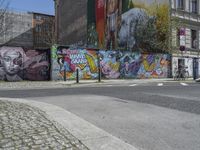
91	136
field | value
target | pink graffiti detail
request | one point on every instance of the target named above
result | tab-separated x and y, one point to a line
108	71
68	60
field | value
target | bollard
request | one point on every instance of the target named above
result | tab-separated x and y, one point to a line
77	75
99	75
99	69
65	78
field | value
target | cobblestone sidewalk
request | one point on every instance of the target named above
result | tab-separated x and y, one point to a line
23	127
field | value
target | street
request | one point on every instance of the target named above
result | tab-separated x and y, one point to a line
149	116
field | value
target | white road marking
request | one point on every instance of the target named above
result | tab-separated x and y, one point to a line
109	85
133	85
184	84
160	84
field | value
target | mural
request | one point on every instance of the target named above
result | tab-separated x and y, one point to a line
113	64
116	64
70	60
109	63
17	64
130	64
154	66
128	24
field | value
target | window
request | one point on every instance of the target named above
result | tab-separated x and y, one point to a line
180	4
38	17
194	39
38	28
193	6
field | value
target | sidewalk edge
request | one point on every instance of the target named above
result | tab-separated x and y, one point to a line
91	136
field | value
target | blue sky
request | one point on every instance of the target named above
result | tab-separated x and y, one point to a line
40	6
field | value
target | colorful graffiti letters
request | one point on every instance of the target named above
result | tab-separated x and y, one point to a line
113	64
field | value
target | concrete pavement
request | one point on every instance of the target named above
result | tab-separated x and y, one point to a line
85	135
25	126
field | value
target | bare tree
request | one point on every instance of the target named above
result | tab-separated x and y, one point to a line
50	36
5	17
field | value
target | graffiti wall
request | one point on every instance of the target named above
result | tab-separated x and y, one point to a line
128	24
70	60
109	63
154	66
18	64
113	64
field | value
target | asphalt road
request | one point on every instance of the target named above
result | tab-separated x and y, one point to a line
153	116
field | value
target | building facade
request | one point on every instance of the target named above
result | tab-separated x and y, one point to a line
17	30
43	30
140	25
71	22
27	29
186	36
112	24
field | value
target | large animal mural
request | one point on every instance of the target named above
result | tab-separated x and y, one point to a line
113	64
18	64
128	24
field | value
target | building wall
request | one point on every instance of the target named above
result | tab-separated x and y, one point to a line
19	32
123	24
190	21
72	21
43	30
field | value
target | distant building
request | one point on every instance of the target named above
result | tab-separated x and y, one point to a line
27	29
186	36
18	30
43	30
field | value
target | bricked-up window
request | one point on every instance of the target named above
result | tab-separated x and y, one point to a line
193	6
194	39
180	4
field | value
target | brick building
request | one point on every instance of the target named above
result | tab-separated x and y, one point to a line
43	30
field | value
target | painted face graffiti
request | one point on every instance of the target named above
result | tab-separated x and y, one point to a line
12	62
18	64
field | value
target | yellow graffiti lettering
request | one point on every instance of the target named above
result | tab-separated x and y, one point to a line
91	63
148	67
115	66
